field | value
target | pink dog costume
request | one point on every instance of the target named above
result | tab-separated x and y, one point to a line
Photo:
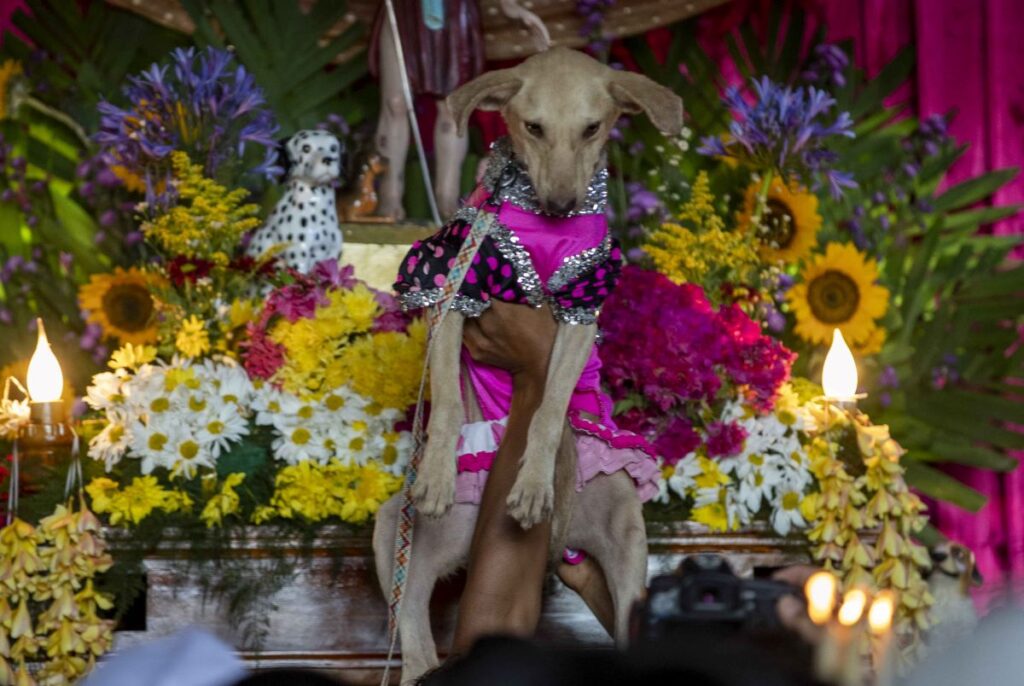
569	262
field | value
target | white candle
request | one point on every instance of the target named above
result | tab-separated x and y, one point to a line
880	622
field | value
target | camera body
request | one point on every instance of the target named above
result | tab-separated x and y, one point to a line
706	595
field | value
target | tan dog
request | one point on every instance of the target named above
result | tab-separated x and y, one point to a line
560	106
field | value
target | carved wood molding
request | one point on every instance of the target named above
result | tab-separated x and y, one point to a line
504	39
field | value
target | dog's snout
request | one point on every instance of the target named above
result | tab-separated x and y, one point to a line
328	160
562	206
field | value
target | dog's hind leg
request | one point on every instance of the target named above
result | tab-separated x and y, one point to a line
440	547
434	490
609	525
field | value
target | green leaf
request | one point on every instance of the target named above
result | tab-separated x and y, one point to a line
973	190
247	457
941	486
957	451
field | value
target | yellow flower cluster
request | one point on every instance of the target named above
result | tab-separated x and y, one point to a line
335	348
192	340
314	492
136	501
699	249
878	500
712	511
210	225
52	565
399	355
223	503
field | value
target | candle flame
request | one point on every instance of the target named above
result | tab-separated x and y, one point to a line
45	379
853	607
881	612
820	591
839	375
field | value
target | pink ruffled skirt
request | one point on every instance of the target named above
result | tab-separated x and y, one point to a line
601	449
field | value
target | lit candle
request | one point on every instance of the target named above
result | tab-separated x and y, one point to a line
820	591
880	622
851	672
839	374
45	378
47	435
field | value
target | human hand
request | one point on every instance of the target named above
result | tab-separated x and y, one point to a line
513	10
516	338
792	611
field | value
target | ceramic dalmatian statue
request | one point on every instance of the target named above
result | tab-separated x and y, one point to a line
305	220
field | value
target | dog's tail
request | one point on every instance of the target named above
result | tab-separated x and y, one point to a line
565	492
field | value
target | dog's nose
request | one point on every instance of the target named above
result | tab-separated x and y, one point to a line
328	160
562	206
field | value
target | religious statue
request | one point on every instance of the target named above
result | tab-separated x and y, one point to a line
442	42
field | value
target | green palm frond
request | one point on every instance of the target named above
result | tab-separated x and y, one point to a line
89	50
288	54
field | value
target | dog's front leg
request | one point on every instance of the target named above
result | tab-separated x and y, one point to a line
532	496
434	490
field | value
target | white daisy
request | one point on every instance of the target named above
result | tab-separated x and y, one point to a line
786	513
105	391
110	444
152	443
221	426
188	454
683	478
300	443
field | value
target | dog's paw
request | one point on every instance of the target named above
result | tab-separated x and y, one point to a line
434	493
531	501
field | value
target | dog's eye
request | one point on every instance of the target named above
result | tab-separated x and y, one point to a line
306	148
591	130
535	129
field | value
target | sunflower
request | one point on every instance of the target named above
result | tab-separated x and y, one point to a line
838	290
122	304
789	224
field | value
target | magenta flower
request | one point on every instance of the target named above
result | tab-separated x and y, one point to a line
669	355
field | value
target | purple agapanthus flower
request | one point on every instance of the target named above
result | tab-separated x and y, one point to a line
592	28
785	130
827	65
202	103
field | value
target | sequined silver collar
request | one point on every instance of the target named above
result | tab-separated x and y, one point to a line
507	181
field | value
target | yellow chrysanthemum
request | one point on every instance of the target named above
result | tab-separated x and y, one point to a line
131	356
223	503
788	229
193	340
9	71
122	303
838	290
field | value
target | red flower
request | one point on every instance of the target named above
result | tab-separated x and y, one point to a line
191	269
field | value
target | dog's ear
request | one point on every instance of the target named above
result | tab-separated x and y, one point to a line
635	93
489	91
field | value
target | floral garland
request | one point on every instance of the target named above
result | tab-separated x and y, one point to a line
867	492
49	606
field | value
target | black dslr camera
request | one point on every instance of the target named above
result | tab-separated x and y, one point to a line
706	596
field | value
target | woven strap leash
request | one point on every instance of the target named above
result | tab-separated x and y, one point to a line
480	227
